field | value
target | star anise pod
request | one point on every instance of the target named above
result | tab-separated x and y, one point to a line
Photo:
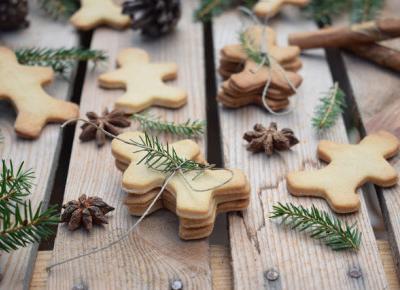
109	121
84	212
270	139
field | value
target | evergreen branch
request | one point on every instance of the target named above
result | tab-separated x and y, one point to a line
323	10
251	51
164	158
322	226
210	8
25	226
60	59
15	184
153	123
59	8
329	109
365	10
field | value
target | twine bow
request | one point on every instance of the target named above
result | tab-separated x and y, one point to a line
177	169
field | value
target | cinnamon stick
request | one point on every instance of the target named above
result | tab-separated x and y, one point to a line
379	54
367	32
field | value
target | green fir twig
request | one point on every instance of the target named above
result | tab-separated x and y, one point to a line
365	10
61	60
21	224
249	47
189	128
330	107
210	8
59	8
164	158
321	225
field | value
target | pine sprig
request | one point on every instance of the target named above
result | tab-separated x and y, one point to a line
210	8
253	53
365	10
59	8
329	109
164	158
60	59
153	123
321	225
20	223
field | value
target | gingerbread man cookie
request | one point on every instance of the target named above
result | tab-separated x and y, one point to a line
143	82
350	166
94	13
269	8
219	190
22	85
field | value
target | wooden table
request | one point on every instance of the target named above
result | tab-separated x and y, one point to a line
244	247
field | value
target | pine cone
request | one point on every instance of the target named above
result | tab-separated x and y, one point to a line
153	17
13	14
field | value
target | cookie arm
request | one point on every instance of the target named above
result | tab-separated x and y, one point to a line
167	71
328	149
113	80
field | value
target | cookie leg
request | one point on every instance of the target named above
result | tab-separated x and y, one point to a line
29	125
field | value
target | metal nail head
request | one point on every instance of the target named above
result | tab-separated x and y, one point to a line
176	285
271	274
355	273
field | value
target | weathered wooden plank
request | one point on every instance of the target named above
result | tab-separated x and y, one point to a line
41	154
153	256
376	93
258	244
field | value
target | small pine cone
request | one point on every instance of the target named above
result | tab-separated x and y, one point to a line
13	14
153	17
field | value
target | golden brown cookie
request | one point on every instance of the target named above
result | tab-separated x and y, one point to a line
143	81
94	13
269	8
22	85
350	166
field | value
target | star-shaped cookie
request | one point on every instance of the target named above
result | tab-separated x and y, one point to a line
94	13
350	166
22	85
269	8
196	209
143	81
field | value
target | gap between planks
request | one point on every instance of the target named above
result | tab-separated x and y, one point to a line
220	267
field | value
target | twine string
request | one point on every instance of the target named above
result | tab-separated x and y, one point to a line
174	172
369	29
270	63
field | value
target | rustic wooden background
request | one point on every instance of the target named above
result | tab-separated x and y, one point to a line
245	247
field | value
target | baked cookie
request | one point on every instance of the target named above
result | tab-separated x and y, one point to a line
22	85
94	13
143	82
269	8
350	166
196	209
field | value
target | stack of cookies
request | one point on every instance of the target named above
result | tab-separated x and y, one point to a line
196	201
246	80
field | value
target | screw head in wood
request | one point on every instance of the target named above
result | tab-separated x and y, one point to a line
176	285
271	274
355	272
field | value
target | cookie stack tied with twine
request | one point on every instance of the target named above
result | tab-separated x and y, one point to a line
257	71
196	192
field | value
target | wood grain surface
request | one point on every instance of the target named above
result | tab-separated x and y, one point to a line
260	245
220	266
41	155
153	256
376	91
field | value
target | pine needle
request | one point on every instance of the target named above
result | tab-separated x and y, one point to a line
59	8
61	60
320	225
322	11
20	223
164	158
253	53
153	123
365	10
330	108
210	8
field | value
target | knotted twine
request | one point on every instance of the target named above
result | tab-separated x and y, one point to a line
176	171
271	63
